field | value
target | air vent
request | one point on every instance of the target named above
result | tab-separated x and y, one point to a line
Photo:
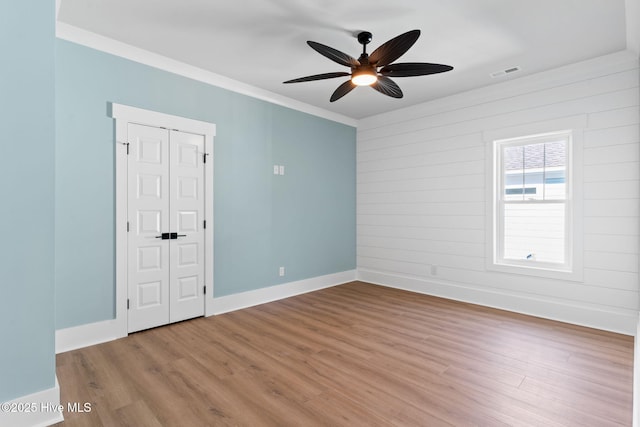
504	72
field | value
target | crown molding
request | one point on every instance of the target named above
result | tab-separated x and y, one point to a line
104	44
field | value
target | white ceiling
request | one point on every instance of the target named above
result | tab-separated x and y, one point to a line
263	42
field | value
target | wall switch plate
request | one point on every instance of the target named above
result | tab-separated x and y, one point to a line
281	170
276	169
281	271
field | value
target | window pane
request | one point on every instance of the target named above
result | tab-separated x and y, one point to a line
513	179
555	170
534	232
535	171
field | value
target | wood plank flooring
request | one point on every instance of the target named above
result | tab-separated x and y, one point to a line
355	355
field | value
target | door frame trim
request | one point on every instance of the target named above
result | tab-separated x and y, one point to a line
123	115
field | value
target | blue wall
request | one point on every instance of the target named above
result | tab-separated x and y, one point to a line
304	220
27	354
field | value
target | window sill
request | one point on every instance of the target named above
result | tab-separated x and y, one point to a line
574	275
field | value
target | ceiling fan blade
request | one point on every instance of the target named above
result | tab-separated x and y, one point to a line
394	48
334	55
318	77
388	87
410	69
342	90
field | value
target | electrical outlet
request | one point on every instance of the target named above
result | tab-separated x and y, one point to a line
434	270
276	169
281	170
281	271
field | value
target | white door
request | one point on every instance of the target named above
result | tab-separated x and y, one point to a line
186	218
165	214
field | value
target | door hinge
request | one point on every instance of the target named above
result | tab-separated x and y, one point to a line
204	224
127	303
127	226
126	144
204	158
204	290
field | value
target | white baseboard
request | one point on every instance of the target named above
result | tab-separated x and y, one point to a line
260	296
90	334
619	321
39	409
99	332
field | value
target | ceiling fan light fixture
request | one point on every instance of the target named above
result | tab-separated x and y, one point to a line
364	77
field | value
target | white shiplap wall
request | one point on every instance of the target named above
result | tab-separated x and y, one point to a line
422	193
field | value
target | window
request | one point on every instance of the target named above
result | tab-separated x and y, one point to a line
533	202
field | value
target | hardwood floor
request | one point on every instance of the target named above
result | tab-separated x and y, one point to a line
355	355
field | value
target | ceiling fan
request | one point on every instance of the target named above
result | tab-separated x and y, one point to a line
374	70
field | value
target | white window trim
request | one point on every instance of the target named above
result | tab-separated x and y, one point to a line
574	272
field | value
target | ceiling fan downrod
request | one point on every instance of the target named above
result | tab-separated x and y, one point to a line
364	38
